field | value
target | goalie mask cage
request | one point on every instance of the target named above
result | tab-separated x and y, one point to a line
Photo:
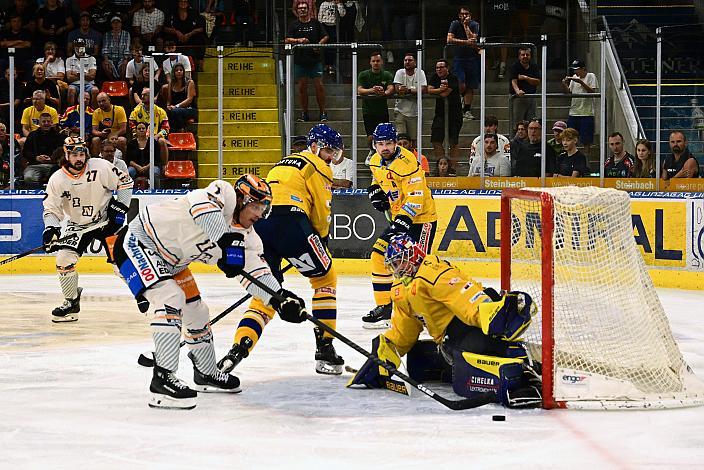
600	332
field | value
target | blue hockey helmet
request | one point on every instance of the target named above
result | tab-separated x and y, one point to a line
326	137
385	131
403	256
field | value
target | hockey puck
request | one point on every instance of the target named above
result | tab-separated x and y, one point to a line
498	418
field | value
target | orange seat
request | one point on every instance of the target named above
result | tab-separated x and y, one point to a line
115	88
180	169
182	141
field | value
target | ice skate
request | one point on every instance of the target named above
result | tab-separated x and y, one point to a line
218	382
326	359
378	318
235	355
67	311
169	392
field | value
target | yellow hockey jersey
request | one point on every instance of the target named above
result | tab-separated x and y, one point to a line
437	293
304	180
403	180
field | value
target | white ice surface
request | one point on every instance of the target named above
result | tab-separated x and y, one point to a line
73	396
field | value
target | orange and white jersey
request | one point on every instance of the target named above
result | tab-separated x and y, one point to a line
84	197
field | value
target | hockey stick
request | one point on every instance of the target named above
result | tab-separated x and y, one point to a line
59	241
146	361
462	404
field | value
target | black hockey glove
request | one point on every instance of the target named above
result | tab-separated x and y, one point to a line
378	197
291	309
401	224
117	214
232	261
50	236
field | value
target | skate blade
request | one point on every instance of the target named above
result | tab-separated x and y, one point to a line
168	403
211	389
325	368
380	325
65	319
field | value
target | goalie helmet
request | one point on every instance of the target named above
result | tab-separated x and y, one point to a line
403	256
251	188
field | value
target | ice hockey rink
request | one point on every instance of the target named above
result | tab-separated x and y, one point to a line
73	396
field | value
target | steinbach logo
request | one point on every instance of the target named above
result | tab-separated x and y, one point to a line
571	379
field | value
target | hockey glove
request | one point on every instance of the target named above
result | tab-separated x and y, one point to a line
401	224
117	214
378	197
232	261
372	375
50	236
291	308
509	317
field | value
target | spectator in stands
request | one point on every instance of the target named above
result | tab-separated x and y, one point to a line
353	21
307	65
38	150
445	85
27	12
299	143
5	156
343	172
556	141
20	38
571	162
137	156
404	140
496	27
524	78
680	163
495	163
464	35
520	136
140	84
645	161
243	12
445	168
5	97
53	22
31	114
406	83
107	152
134	66
101	15
108	119
329	13
491	126
187	28
529	156
161	127
180	99
70	122
147	24
174	57
116	50
39	82
54	68
581	115
115	141
620	163
92	37
379	83
73	70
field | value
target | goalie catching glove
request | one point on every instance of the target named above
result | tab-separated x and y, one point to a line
50	236
232	261
378	197
508	317
372	375
291	308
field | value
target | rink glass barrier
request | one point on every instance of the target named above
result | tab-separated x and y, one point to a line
668	228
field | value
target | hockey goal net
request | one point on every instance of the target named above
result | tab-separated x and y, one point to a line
601	333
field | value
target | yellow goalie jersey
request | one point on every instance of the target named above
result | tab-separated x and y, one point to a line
437	293
403	180
304	180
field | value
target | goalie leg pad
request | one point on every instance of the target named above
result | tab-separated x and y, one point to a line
509	317
372	375
425	363
475	374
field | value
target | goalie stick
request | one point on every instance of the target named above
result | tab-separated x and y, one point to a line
59	241
462	404
147	360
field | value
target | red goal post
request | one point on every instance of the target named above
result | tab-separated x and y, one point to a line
601	333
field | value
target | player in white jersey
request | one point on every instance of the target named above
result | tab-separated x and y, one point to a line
213	226
81	189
